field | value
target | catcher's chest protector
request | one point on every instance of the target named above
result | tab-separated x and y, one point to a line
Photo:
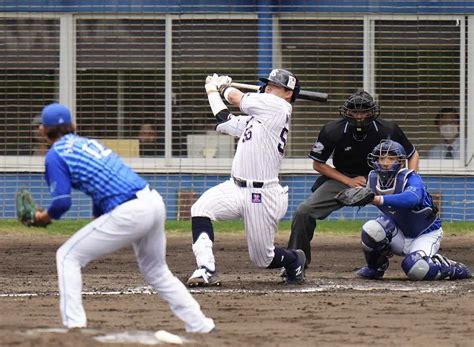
411	222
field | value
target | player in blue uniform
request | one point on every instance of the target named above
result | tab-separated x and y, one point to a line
126	210
409	225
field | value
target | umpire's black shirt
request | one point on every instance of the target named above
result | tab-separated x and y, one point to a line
350	155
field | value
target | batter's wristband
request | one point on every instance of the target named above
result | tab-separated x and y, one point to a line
227	91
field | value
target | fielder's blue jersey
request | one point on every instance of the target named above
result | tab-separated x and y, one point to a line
86	165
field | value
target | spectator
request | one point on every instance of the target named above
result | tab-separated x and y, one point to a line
447	121
150	144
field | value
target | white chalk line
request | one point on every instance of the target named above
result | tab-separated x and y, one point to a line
429	287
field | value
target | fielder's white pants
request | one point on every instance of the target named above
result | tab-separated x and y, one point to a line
260	208
139	222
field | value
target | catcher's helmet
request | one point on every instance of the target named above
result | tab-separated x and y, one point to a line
387	148
285	79
360	101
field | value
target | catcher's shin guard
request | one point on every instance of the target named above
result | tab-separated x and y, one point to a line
418	266
375	240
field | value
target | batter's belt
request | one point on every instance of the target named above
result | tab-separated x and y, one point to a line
255	184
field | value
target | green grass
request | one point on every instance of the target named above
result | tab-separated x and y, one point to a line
342	227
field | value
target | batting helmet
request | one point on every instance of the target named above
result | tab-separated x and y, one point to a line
360	101
285	79
387	148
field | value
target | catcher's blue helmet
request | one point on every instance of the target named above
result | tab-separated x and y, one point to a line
285	79
387	148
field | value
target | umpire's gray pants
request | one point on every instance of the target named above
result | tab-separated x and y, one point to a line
318	205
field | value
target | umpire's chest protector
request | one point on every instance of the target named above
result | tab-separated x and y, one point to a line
412	222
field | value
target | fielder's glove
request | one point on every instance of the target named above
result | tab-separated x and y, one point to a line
26	208
356	196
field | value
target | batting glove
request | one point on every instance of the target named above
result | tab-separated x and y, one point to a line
211	83
223	82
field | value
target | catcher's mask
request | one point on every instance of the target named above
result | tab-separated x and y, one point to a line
387	159
359	102
282	78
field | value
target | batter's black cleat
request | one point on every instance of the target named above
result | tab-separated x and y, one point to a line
297	276
203	277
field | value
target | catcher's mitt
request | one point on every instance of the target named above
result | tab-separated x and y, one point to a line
26	208
357	196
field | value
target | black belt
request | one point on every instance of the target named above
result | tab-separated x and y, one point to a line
245	184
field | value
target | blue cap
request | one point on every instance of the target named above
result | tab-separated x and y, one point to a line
56	114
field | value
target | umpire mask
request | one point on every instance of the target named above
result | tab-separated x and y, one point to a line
359	110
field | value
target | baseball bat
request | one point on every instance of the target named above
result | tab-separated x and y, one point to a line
304	94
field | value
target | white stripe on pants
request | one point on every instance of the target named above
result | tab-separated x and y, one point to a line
139	222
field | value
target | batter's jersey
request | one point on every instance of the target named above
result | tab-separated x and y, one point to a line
86	165
261	146
350	154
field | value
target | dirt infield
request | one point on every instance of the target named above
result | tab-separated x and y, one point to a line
251	309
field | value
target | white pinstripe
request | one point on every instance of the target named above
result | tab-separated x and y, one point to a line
228	201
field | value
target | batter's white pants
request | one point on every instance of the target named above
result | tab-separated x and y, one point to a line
260	208
139	222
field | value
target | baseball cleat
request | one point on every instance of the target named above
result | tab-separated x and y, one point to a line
203	277
459	271
298	277
370	274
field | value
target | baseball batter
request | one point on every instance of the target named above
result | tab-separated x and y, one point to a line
126	209
253	191
409	225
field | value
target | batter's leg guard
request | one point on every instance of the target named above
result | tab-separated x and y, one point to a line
203	237
418	266
375	240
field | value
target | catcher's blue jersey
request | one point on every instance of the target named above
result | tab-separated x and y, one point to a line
409	206
86	165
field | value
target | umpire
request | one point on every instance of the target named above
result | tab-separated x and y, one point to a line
349	140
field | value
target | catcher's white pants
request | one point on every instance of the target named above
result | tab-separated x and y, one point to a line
428	243
260	208
139	222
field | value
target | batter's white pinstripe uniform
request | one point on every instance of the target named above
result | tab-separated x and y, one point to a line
253	192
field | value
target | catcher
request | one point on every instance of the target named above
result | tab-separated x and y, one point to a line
409	225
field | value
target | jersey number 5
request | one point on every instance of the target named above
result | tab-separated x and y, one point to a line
95	149
284	138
